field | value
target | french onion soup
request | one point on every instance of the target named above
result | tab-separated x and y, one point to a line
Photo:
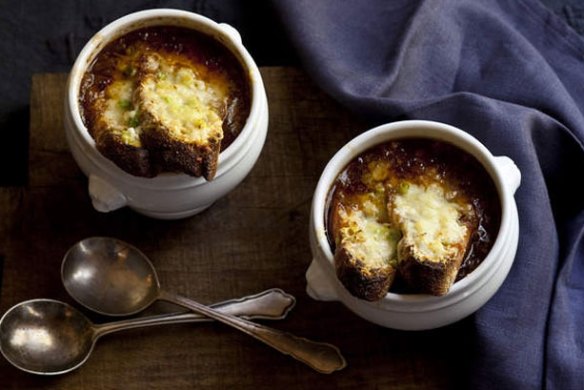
165	99
411	216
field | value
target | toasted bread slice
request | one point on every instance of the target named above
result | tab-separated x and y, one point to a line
365	254
117	131
436	232
180	115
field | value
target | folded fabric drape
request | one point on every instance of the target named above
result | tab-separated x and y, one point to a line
511	74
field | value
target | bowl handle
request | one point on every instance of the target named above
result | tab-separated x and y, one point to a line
318	285
231	31
509	171
104	196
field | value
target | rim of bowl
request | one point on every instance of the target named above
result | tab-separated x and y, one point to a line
417	129
163	17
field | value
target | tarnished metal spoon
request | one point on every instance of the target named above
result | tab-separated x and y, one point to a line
49	337
112	277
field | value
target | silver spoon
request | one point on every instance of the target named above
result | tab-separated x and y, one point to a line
49	337
112	277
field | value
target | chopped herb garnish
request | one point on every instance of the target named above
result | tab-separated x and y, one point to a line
134	121
129	71
394	235
404	186
125	104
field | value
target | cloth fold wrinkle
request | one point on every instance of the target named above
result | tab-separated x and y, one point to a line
575	16
509	73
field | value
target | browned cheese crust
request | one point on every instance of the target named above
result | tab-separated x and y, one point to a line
134	160
167	149
361	278
428	277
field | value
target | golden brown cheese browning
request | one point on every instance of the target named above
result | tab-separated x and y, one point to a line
165	99
366	255
181	115
416	208
436	232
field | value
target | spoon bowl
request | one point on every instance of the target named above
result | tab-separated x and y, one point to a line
44	336
109	276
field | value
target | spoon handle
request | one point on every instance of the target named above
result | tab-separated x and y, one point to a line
272	304
322	357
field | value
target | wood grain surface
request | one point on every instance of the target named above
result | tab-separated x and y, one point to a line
253	239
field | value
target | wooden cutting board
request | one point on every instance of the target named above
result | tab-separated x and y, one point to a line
253	239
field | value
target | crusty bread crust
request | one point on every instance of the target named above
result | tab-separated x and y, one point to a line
174	152
427	277
109	141
366	279
335	220
360	278
134	160
175	155
433	276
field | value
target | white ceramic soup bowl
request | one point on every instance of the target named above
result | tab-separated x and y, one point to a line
168	195
417	311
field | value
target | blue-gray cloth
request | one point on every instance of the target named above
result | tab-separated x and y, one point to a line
512	74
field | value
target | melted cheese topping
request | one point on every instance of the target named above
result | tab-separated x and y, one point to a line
186	105
368	240
429	222
119	114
